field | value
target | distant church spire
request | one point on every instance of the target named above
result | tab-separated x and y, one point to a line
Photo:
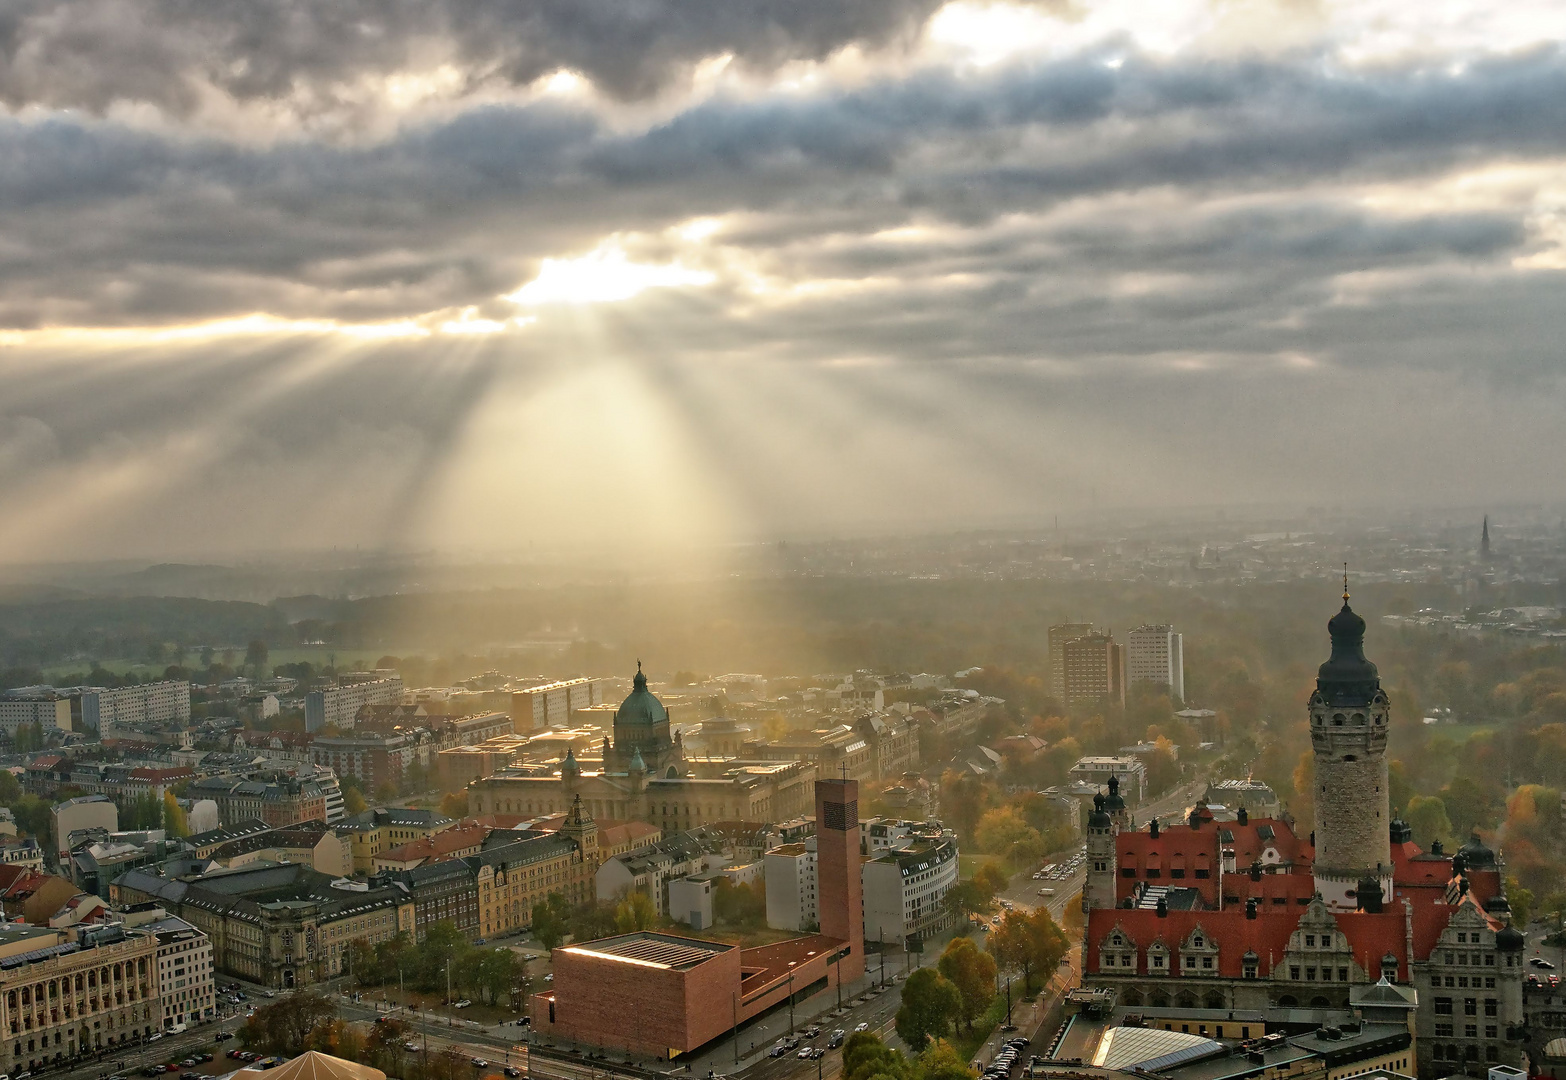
1484	539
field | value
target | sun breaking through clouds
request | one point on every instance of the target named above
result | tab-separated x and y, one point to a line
737	269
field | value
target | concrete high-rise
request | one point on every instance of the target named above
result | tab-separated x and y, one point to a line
1095	671
1155	654
839	887
1349	718
1058	635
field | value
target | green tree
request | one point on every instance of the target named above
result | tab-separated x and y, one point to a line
940	1062
1426	816
353	801
592	920
10	789
549	926
1030	941
415	778
284	1027
972	971
386	793
255	657
930	1000
1003	831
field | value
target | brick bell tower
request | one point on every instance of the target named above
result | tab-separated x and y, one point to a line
840	889
1349	718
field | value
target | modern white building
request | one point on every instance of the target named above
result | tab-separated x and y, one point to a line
340	705
905	889
1154	655
911	867
1097	769
791	886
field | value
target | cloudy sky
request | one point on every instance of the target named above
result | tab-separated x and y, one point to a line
277	274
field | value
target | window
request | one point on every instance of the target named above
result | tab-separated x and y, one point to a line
1310	941
1490	1006
1342	974
1294	972
1470	1007
1443	1006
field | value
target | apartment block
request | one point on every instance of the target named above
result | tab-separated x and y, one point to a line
1155	654
552	704
340	705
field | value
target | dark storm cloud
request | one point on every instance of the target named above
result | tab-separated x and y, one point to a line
91	54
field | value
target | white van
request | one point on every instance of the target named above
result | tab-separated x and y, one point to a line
175	1029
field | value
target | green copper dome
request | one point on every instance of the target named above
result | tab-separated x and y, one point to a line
640	707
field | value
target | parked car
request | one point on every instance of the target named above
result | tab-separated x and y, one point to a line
199	1057
463	1004
155	1036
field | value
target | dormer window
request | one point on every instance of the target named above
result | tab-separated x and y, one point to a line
1196	942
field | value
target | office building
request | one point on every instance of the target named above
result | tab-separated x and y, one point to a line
1154	655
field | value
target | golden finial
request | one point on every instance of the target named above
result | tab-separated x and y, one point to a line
1345	583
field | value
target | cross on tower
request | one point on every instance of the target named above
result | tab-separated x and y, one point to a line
843	768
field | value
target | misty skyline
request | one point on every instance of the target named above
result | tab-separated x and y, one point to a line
394	276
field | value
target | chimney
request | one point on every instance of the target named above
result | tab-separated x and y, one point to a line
1250	907
1162	908
1243	818
1255	869
1153	829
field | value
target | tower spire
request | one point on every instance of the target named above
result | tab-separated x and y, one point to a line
1345	583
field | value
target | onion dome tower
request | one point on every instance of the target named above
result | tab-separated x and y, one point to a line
1098	891
1349	719
641	723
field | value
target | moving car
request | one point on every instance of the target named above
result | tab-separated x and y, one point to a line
804	1053
835	1039
861	1027
512	1071
480	1063
411	1047
777	1051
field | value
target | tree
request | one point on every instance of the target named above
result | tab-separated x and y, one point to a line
635	912
353	802
1426	816
973	972
255	656
991	876
1030	941
386	793
592	920
10	790
414	779
549	927
940	1062
454	804
285	1026
930	1000
1002	831
496	972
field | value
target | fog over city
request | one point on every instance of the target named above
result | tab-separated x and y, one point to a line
288	277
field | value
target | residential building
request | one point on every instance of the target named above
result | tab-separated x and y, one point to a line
203	844
905	888
1154	654
1126	770
551	704
100	709
834	751
650	869
459	841
43	706
185	971
444	891
371	757
514	875
790	874
1057	636
378	830
459	766
312	843
1095	671
78	814
339	706
276	798
77	991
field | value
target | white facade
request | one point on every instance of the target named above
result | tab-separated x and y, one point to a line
340	705
1097	770
44	709
1154	654
791	886
185	982
154	702
905	890
690	900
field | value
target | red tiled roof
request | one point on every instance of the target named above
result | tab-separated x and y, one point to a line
1182	848
1236	935
48	761
440	846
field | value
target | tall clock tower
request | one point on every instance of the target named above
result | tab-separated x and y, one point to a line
1349	718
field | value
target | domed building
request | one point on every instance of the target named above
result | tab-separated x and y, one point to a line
646	777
